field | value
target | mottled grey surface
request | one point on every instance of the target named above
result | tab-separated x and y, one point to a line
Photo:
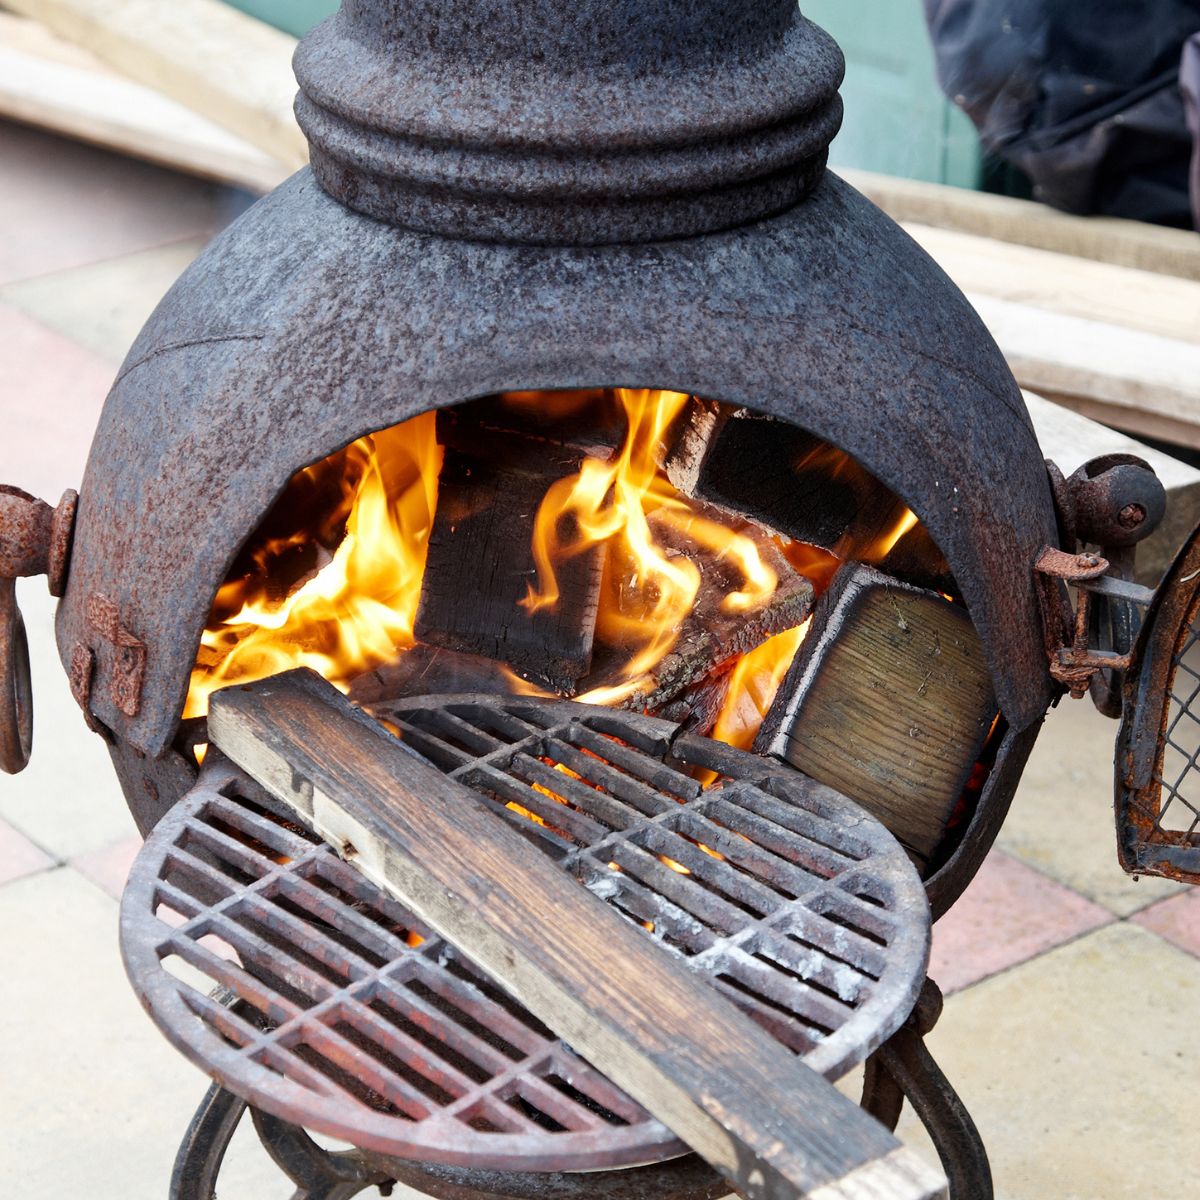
599	121
305	326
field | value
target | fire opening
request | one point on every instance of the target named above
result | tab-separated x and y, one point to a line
627	547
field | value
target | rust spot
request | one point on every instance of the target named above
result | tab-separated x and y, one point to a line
103	616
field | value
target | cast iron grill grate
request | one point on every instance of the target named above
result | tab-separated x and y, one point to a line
340	1012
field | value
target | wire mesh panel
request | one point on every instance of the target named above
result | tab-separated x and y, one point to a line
1158	793
352	1018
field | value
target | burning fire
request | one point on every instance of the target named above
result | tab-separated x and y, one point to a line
647	591
355	609
358	610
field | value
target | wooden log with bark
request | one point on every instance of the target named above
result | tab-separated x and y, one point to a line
775	1129
889	701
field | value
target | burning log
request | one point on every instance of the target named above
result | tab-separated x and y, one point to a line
480	562
889	701
715	631
779	476
679	1047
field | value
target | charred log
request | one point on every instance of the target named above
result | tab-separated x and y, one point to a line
780	476
480	567
714	633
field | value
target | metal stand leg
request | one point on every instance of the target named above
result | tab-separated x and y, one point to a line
202	1151
318	1174
902	1069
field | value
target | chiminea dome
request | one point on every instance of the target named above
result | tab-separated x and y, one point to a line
308	324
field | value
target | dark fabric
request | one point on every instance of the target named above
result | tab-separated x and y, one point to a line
1189	79
1082	96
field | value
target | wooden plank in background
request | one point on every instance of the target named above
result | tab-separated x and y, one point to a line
234	70
1137	381
770	1125
1026	223
50	83
1078	287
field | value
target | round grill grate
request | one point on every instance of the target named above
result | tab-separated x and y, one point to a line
338	1011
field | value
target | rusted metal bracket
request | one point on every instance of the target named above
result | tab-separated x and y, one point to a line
35	539
1112	503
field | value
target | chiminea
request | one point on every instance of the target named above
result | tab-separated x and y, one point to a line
607	200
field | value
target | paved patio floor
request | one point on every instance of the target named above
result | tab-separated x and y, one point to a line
1073	1025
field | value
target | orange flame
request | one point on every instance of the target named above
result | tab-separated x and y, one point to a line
753	685
649	591
357	611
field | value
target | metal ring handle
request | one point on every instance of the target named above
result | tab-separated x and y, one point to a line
16	691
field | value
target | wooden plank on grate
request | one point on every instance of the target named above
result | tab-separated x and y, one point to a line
769	1124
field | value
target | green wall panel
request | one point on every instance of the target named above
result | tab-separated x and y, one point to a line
897	120
296	16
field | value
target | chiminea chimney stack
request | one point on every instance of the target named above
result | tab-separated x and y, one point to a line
602	121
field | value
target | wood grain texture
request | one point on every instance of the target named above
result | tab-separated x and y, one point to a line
1141	382
889	701
50	83
480	567
1026	223
1062	283
774	1128
214	60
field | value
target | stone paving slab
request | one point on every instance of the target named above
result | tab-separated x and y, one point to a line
19	856
1061	821
96	1100
104	305
63	204
1177	920
1008	915
67	800
51	392
1080	1070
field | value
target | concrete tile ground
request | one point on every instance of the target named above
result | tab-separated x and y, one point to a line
103	305
1071	1030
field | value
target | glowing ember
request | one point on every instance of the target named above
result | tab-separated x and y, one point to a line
752	686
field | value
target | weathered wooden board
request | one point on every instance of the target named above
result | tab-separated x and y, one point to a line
55	85
1141	382
889	701
1026	223
771	1126
228	67
1062	283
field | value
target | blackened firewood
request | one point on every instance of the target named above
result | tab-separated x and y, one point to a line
430	670
780	476
712	635
889	701
547	432
480	567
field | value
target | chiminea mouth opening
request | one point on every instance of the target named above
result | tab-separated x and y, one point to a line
636	548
